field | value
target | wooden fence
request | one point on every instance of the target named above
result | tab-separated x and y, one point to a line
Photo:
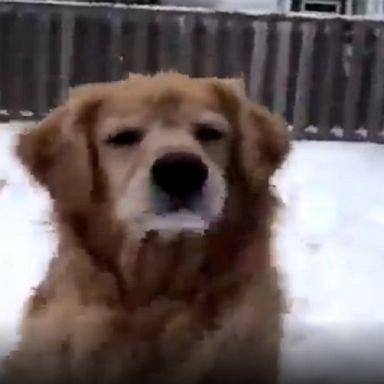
325	75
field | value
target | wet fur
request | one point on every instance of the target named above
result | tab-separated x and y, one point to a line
192	309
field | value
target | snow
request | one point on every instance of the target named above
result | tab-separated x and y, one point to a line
331	254
329	246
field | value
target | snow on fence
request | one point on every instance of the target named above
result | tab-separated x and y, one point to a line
325	75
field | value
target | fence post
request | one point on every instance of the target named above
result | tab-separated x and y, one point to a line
353	87
210	33
66	53
41	80
303	83
284	30
115	46
376	97
258	61
333	46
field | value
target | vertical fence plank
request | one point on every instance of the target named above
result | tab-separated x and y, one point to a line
139	53
114	49
154	57
88	56
168	41
208	55
303	83
258	61
333	46
282	67
41	70
376	97
353	87
3	76
66	53
185	23
229	48
233	47
15	57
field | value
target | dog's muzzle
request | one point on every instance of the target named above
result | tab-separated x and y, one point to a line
179	178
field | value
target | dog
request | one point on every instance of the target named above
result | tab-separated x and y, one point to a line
163	205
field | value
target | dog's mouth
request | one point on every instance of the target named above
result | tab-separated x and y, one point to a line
191	213
176	222
185	196
178	181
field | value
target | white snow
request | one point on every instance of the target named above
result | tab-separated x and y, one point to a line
329	245
331	252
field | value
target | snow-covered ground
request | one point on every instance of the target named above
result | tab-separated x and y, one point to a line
330	247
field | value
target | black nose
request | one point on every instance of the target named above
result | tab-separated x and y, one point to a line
179	174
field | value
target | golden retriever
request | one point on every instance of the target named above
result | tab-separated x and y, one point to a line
163	205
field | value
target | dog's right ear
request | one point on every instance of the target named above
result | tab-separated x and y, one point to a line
56	151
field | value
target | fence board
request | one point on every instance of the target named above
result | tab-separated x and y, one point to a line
302	101
115	58
66	53
16	73
333	46
3	77
185	23
41	81
353	87
258	61
280	91
210	27
139	53
376	98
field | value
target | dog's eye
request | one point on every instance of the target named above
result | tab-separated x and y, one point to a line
206	133
128	137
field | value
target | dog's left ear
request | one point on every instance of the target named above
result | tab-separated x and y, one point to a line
262	139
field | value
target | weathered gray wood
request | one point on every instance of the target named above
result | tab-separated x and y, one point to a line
353	87
139	54
93	57
376	97
333	46
232	52
284	30
303	83
115	57
15	54
168	49
185	24
258	61
41	69
3	79
66	53
203	44
165	41
208	53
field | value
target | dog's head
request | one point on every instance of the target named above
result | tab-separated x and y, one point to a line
160	151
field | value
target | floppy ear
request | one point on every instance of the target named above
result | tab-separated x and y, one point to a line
262	141
56	152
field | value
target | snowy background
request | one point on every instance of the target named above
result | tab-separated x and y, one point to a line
330	247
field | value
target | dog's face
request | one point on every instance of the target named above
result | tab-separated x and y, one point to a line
164	146
158	149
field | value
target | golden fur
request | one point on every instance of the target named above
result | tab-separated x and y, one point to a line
119	304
